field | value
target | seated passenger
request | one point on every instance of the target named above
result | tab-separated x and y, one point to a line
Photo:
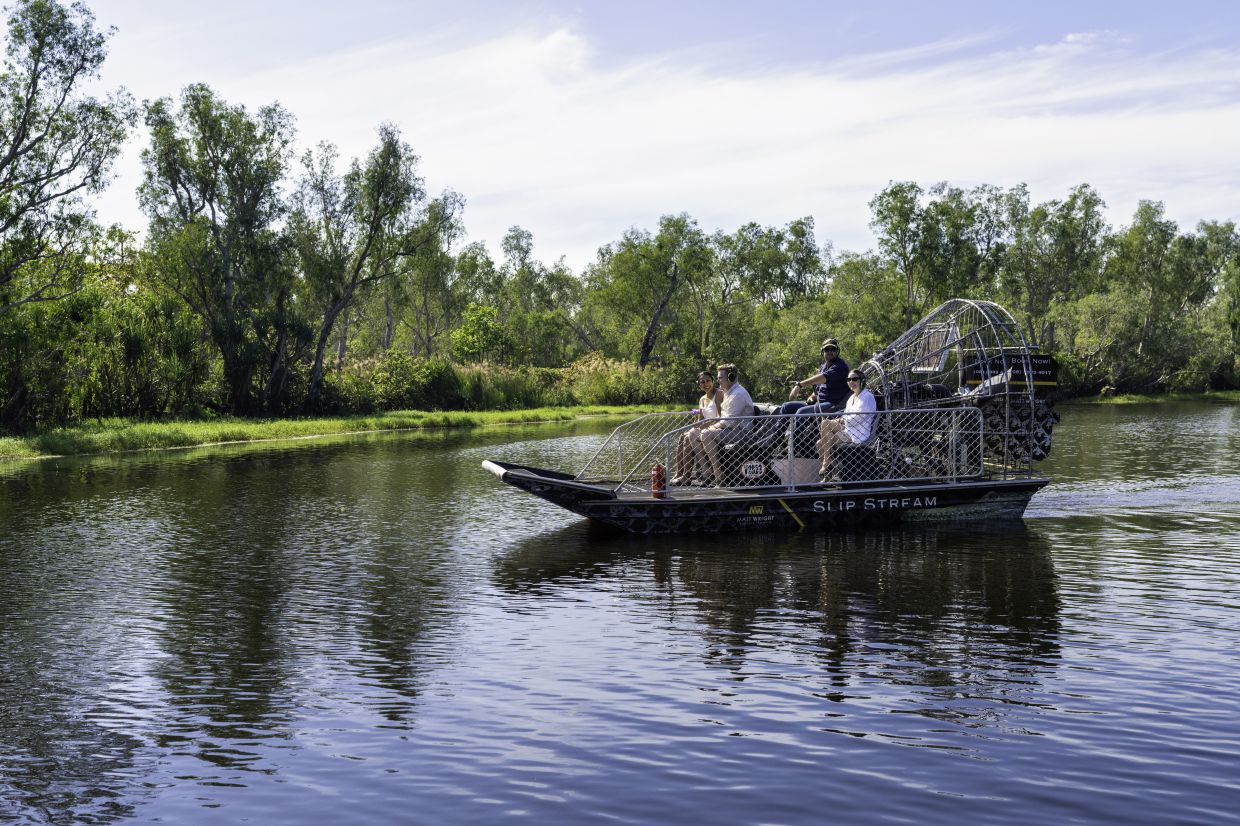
853	427
829	391
830	388
734	409
707	409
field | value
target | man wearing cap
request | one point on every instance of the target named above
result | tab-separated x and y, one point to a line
830	390
830	383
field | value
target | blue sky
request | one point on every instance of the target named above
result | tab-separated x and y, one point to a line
577	121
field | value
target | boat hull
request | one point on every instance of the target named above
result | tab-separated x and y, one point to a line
815	507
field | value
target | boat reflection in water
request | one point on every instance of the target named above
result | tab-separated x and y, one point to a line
966	620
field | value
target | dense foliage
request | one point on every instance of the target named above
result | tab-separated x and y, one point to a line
268	285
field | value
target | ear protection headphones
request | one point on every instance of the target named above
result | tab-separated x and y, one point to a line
732	375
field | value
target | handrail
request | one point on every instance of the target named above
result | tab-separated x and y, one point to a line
925	444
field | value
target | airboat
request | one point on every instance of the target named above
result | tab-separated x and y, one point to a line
965	408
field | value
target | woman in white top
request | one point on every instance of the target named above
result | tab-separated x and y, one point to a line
707	409
853	427
708	405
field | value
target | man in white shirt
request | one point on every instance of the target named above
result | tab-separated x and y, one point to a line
853	427
734	411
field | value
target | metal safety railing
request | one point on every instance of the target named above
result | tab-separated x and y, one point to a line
939	444
629	447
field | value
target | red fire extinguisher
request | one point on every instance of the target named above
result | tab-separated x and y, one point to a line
658	480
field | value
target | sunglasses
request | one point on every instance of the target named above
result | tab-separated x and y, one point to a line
854	378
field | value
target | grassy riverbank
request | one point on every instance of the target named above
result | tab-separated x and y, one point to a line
1128	398
116	435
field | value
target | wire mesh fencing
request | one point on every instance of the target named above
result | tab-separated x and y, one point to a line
631	447
793	450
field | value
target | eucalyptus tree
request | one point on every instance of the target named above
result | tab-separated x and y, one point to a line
538	305
778	265
952	263
477	276
750	264
749	276
1055	254
862	306
1140	262
896	219
211	187
357	229
57	145
1143	328
434	298
945	241
638	286
1222	243
806	274
480	334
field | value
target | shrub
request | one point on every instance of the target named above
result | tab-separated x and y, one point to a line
404	382
349	390
597	380
494	387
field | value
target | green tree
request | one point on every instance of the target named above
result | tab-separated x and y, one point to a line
1142	260
434	297
1055	255
538	306
951	264
211	188
357	229
115	347
1223	245
480	336
806	274
57	145
638	286
479	279
1150	327
897	218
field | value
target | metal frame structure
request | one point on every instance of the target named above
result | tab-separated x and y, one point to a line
973	353
781	451
961	394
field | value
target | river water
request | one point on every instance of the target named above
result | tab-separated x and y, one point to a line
374	630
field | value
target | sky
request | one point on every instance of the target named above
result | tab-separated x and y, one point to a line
578	121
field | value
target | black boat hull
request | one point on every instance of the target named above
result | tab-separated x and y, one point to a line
777	508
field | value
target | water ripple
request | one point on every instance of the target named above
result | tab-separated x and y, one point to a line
367	627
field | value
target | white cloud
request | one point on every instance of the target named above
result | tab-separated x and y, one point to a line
535	131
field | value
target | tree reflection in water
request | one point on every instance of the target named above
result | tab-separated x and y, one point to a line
183	615
948	622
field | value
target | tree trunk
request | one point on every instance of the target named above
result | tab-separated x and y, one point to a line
238	369
344	342
320	347
279	374
652	331
389	332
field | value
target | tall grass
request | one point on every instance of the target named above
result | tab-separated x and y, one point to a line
1134	398
399	381
115	435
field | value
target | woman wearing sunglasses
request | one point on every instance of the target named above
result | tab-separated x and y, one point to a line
852	427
